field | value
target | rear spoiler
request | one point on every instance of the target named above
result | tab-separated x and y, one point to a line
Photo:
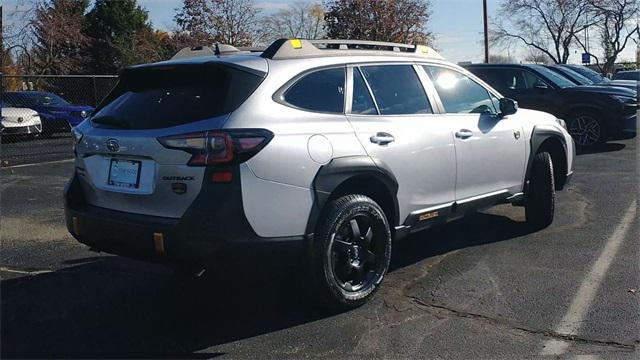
217	49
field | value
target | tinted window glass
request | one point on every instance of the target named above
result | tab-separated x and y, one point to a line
151	98
553	77
28	99
627	75
362	101
502	79
459	93
397	89
532	80
588	73
321	91
572	75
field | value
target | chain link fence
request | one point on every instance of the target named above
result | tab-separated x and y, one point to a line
38	112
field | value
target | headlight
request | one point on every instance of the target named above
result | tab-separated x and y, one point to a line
84	114
562	123
628	100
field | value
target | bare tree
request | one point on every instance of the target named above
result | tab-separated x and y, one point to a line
227	21
615	25
537	57
549	26
17	36
195	22
300	20
58	37
501	59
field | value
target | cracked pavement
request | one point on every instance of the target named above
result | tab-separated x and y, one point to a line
480	287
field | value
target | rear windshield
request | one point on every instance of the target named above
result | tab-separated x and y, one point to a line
158	97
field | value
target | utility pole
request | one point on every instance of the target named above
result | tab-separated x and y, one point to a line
486	31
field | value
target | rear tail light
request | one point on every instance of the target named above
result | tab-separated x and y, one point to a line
219	147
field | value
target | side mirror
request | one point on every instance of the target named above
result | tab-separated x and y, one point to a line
540	85
508	107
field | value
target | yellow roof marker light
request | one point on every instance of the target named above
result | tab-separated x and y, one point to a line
296	43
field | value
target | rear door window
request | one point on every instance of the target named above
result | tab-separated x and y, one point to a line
159	97
397	89
362	102
320	91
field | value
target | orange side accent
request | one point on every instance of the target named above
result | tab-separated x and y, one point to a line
158	242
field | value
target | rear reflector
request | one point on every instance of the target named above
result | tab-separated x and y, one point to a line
222	177
158	242
75	222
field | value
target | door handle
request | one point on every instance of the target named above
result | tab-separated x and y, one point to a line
382	138
464	134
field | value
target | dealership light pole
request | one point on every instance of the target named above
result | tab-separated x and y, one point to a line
486	31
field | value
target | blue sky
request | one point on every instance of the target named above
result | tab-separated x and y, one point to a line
456	23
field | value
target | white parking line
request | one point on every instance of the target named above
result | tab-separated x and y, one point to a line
39	163
570	323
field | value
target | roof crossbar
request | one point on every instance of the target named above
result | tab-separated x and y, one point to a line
301	48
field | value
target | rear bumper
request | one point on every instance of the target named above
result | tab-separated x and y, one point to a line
213	229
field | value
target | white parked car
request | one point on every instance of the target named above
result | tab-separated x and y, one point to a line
19	121
332	147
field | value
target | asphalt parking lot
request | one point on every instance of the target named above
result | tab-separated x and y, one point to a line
481	287
17	150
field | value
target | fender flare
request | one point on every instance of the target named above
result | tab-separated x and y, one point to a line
539	135
330	176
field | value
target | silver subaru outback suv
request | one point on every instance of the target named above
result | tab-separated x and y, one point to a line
343	146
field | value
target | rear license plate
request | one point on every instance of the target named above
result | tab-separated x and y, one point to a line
124	173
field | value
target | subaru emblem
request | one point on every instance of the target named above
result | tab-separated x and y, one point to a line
112	145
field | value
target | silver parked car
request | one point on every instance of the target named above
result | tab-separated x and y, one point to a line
341	146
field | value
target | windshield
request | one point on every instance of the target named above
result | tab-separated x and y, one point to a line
588	73
29	99
581	80
554	77
158	97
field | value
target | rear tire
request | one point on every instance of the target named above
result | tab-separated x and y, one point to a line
540	197
351	251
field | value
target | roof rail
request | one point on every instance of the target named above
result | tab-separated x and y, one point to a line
301	48
217	49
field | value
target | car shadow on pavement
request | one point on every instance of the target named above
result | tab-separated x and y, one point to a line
112	307
600	148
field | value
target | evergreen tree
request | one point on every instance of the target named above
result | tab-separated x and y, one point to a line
120	35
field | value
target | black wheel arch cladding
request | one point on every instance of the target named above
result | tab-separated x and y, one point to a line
545	138
340	171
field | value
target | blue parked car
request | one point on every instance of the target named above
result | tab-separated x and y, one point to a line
57	114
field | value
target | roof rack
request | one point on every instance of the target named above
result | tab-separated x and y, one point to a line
301	48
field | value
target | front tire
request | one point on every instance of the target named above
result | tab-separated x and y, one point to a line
540	197
351	251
